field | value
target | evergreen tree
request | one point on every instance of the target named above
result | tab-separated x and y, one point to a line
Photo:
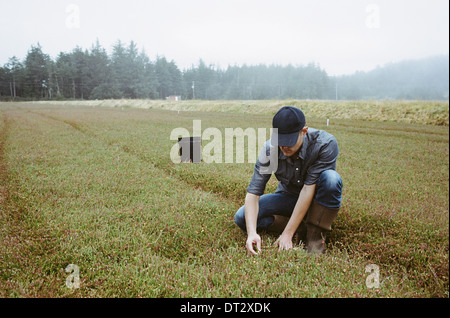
36	73
65	76
119	70
82	72
4	83
99	72
16	76
165	86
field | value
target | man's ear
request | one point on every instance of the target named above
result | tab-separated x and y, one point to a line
305	130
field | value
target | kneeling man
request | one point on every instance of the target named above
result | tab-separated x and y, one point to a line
308	196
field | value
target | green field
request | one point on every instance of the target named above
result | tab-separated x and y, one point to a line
95	187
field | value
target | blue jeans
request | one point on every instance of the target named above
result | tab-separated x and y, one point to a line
328	193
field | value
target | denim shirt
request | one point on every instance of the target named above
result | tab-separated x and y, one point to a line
317	154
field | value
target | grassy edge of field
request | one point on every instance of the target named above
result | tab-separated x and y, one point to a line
406	111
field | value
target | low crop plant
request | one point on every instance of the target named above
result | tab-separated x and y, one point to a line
95	187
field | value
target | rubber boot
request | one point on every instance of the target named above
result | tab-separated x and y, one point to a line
278	225
318	224
300	234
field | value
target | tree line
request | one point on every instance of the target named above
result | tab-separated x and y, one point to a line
128	73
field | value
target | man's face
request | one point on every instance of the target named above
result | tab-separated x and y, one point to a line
290	151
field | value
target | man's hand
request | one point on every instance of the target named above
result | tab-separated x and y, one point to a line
253	239
284	242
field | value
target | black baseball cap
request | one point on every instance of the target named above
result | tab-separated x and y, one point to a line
289	121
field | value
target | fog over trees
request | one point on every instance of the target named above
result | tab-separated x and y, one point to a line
128	73
425	79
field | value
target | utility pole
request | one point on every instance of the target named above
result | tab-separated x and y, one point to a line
336	92
193	89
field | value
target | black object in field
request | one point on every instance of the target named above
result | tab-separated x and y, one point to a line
190	149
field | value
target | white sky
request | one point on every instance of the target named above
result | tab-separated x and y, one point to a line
342	36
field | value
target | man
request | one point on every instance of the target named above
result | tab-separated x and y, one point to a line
308	196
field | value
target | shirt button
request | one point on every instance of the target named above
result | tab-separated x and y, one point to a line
296	169
298	181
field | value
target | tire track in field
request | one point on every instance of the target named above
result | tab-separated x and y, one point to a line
426	136
19	257
115	143
26	245
71	123
181	257
390	128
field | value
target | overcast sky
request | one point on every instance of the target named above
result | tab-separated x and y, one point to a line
342	36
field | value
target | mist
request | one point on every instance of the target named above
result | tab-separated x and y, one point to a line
342	36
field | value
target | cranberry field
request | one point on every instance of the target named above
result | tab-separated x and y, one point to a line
94	187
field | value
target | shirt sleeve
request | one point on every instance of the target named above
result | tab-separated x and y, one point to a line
261	176
326	160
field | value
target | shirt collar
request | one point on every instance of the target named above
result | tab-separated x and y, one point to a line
302	152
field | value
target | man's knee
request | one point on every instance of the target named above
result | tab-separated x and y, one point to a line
329	189
239	218
330	180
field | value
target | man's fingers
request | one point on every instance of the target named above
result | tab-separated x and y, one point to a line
251	243
250	249
258	245
283	243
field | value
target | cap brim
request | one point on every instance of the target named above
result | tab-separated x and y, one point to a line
285	140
